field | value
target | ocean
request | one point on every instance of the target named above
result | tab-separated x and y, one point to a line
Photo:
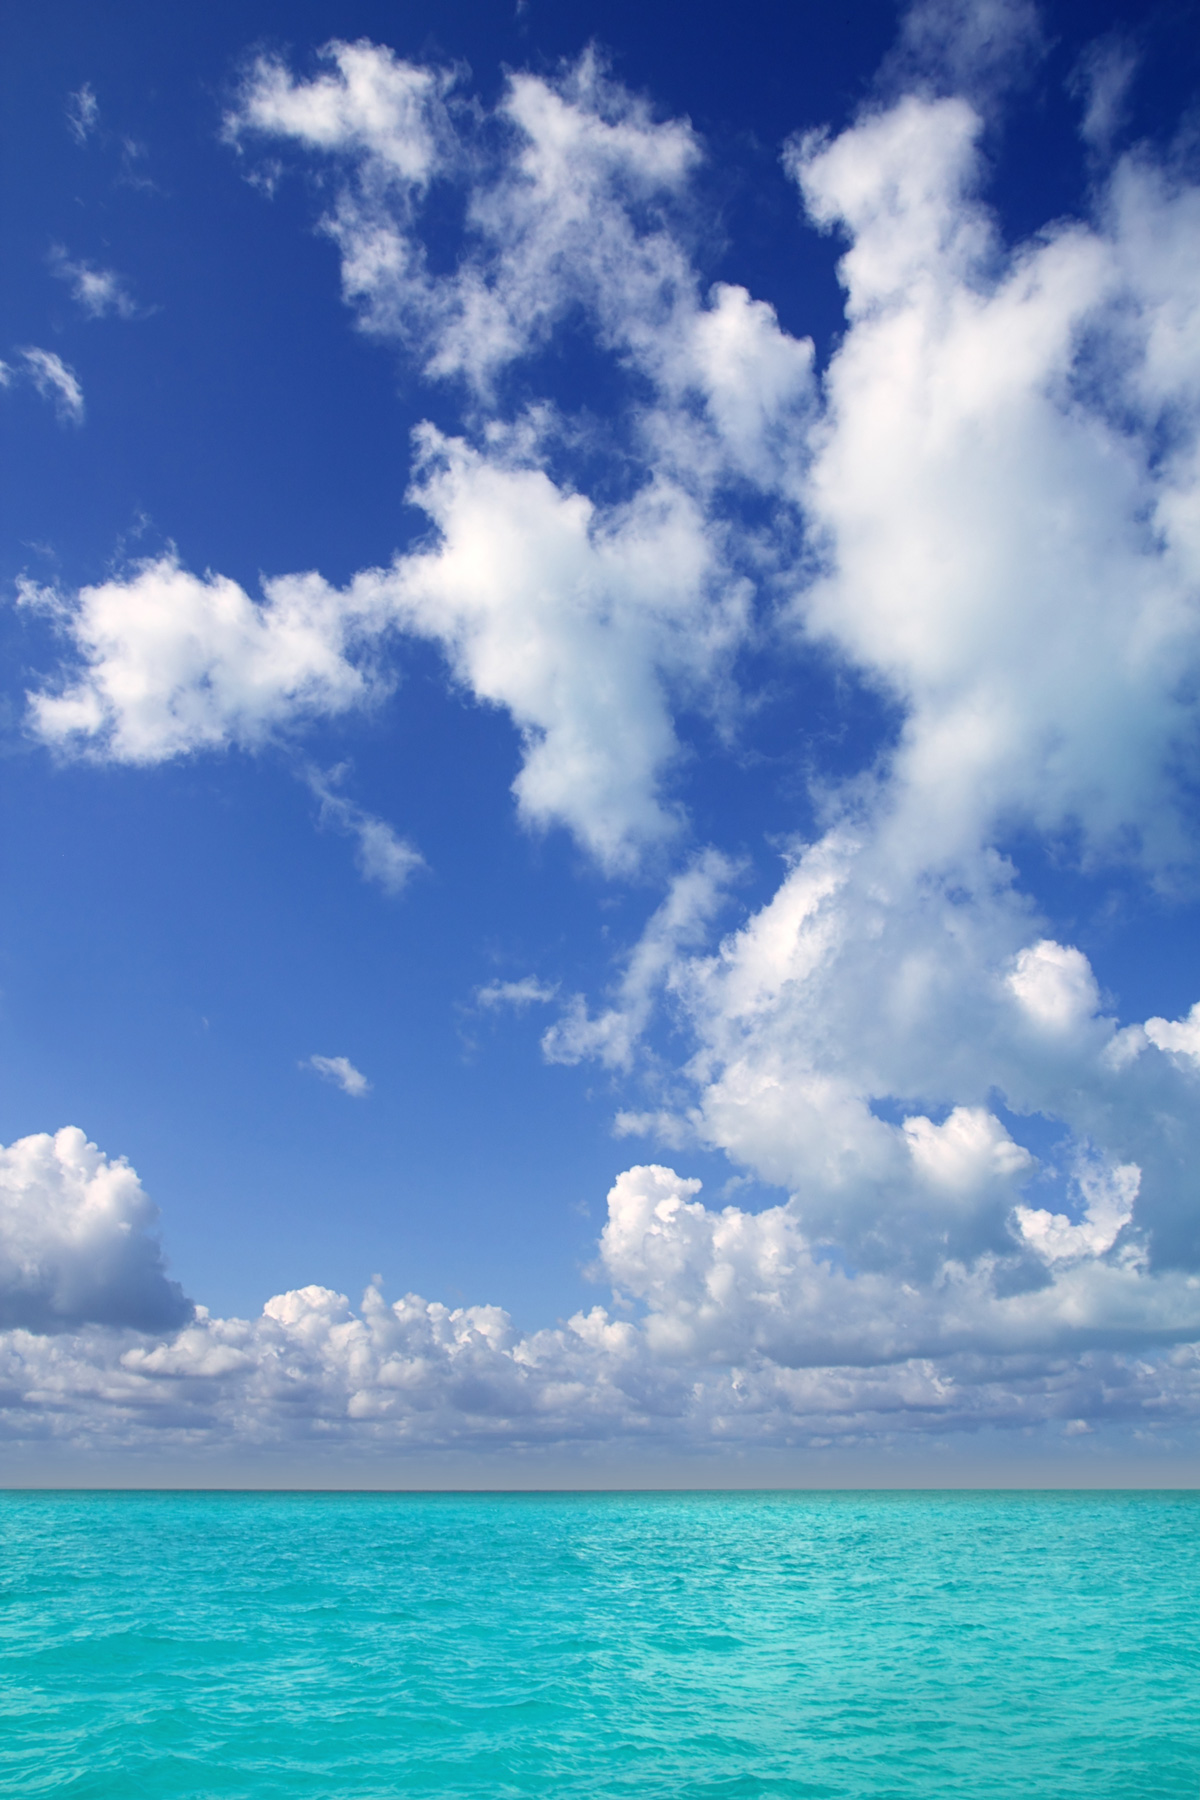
687	1646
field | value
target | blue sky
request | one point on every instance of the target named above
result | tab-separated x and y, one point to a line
600	599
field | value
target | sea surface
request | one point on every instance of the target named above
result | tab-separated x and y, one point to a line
597	1645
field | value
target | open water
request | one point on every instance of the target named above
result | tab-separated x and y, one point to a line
687	1646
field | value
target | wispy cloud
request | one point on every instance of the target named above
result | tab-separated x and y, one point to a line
83	113
56	382
382	855
342	1072
99	292
529	991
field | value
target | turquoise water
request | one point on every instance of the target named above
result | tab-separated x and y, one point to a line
600	1645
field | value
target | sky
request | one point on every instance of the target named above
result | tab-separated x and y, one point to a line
600	612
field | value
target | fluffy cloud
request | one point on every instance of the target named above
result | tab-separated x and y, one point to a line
1007	551
550	223
984	510
572	618
589	622
1008	554
76	1243
368	102
174	663
745	1338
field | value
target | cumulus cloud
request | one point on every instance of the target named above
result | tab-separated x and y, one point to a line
983	518
569	617
1108	1197
98	292
171	663
77	1241
549	225
55	382
342	1072
741	1337
589	622
983	510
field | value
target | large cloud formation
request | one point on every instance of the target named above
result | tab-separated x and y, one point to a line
746	1340
986	509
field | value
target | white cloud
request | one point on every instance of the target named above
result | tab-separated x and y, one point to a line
682	920
577	620
529	991
742	1338
980	48
968	1151
1102	79
173	663
1055	986
998	476
571	617
1015	566
55	382
368	101
97	291
589	623
383	856
1180	1036
342	1072
1108	1196
83	113
76	1243
549	225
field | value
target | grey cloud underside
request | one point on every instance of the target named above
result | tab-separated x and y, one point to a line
77	1244
986	508
413	1377
739	1335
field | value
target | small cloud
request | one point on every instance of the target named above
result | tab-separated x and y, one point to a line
98	291
664	1127
133	156
55	381
383	856
529	991
978	48
342	1072
1101	80
83	113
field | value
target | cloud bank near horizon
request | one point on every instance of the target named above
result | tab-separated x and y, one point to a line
724	1328
984	509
